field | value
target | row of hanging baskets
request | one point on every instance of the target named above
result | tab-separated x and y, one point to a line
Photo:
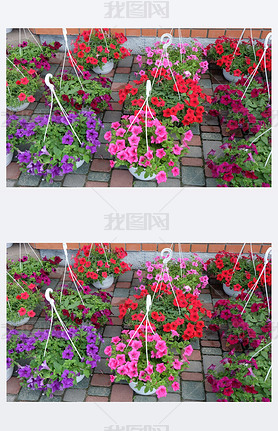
160	321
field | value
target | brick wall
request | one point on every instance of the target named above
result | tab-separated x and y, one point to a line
259	33
193	247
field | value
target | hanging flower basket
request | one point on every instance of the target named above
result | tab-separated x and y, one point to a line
104	284
18	108
106	68
141	391
142	176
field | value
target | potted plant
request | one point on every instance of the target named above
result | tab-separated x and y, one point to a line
244	163
61	152
32	270
30	54
236	274
245	378
184	58
173	312
60	366
21	303
12	139
238	60
98	264
183	273
146	374
20	89
13	349
95	307
95	95
147	158
99	50
178	100
250	113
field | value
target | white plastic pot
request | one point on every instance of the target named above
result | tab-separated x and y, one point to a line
141	176
141	391
19	322
106	68
79	164
105	284
230	292
9	157
10	372
230	77
9	244
8	30
18	108
79	378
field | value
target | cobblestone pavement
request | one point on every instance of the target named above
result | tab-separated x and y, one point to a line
98	388
193	172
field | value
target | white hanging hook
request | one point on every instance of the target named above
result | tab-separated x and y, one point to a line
48	83
65	32
269	250
47	296
166	258
148	88
65	247
149	303
168	43
269	36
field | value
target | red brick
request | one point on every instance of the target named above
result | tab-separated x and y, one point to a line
121	178
123	70
133	247
96	399
117	30
26	112
13	386
215	248
101	380
191	161
110	74
195	355
183	247
123	284
116	86
208	91
200	32
210	343
25	327
184	32
210	129
13	171
121	393
149	31
196	140
209	306
208	172
255	248
264	33
233	248
100	165
116	320
96	184
117	301
149	247
163	245
133	32
215	33
255	33
265	247
233	32
116	106
196	377
198	248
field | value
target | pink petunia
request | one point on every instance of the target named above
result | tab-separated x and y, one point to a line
160	153
108	136
115	125
108	350
175	171
161	177
160	368
161	392
175	386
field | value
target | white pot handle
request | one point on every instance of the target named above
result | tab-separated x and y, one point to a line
168	43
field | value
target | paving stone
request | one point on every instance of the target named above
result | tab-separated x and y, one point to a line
125	62
127	276
211	397
96	399
54	184
27	180
52	70
112	116
210	335
121	293
194	152
121	178
75	395
101	380
102	367
212	359
138	183
74	180
42	324
170	398
115	96
210	129
41	109
45	399
212	145
102	153
98	176
193	391
144	399
106	127
13	386
195	129
11	398
212	136
211	351
99	165
84	169
11	183
84	384
197	377
29	395
205	83
211	182
170	183
195	343
121	77
106	342
205	297
195	141
121	393
99	391
13	171
209	120
115	311
192	176
195	366
112	331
